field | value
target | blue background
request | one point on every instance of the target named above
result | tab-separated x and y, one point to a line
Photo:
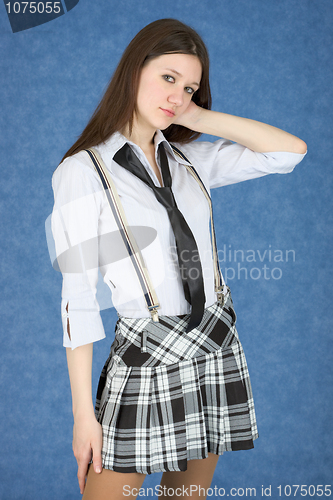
271	61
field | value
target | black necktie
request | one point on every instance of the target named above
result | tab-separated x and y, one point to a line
187	250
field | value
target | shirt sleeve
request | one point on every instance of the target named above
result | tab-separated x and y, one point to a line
77	194
224	162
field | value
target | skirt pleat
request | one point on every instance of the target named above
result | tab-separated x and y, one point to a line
166	396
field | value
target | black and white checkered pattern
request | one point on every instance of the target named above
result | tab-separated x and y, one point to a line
166	396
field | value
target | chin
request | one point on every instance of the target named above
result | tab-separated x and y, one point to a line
166	124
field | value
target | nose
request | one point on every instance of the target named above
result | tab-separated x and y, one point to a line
176	97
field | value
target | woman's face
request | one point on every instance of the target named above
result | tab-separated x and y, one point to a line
167	84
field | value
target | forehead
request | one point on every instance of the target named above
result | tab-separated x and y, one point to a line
187	65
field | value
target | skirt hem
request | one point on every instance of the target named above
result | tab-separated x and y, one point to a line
129	470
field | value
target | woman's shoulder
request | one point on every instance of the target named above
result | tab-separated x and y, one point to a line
75	167
76	176
202	149
203	155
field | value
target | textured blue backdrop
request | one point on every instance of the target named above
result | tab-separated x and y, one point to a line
271	61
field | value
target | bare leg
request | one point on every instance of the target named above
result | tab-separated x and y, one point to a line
199	474
109	484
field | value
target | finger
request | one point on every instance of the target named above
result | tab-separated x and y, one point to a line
81	475
97	460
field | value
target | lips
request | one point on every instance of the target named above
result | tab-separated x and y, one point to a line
168	112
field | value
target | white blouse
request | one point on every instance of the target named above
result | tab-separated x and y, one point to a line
87	238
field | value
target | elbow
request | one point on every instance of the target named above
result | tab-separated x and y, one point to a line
300	147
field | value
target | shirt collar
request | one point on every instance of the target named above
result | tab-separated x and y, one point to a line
159	137
109	148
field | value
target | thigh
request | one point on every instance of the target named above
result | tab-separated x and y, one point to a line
199	474
110	484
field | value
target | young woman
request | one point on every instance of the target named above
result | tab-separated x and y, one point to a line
174	393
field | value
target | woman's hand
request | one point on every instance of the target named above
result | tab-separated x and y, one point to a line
87	432
87	444
190	116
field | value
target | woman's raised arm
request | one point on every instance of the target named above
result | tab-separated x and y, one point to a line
87	432
252	134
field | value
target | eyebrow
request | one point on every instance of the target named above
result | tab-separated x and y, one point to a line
179	74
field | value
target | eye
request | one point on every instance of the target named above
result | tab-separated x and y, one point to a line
169	78
189	90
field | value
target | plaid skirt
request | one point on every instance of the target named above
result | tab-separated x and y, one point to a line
166	396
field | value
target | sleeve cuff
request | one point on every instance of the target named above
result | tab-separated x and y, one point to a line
85	326
280	162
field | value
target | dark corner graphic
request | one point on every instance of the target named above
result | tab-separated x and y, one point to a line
25	15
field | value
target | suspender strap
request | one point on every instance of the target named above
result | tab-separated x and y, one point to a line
128	238
219	282
126	233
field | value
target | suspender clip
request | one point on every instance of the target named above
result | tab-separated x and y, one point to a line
220	296
154	313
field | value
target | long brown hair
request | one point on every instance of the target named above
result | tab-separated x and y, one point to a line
117	107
